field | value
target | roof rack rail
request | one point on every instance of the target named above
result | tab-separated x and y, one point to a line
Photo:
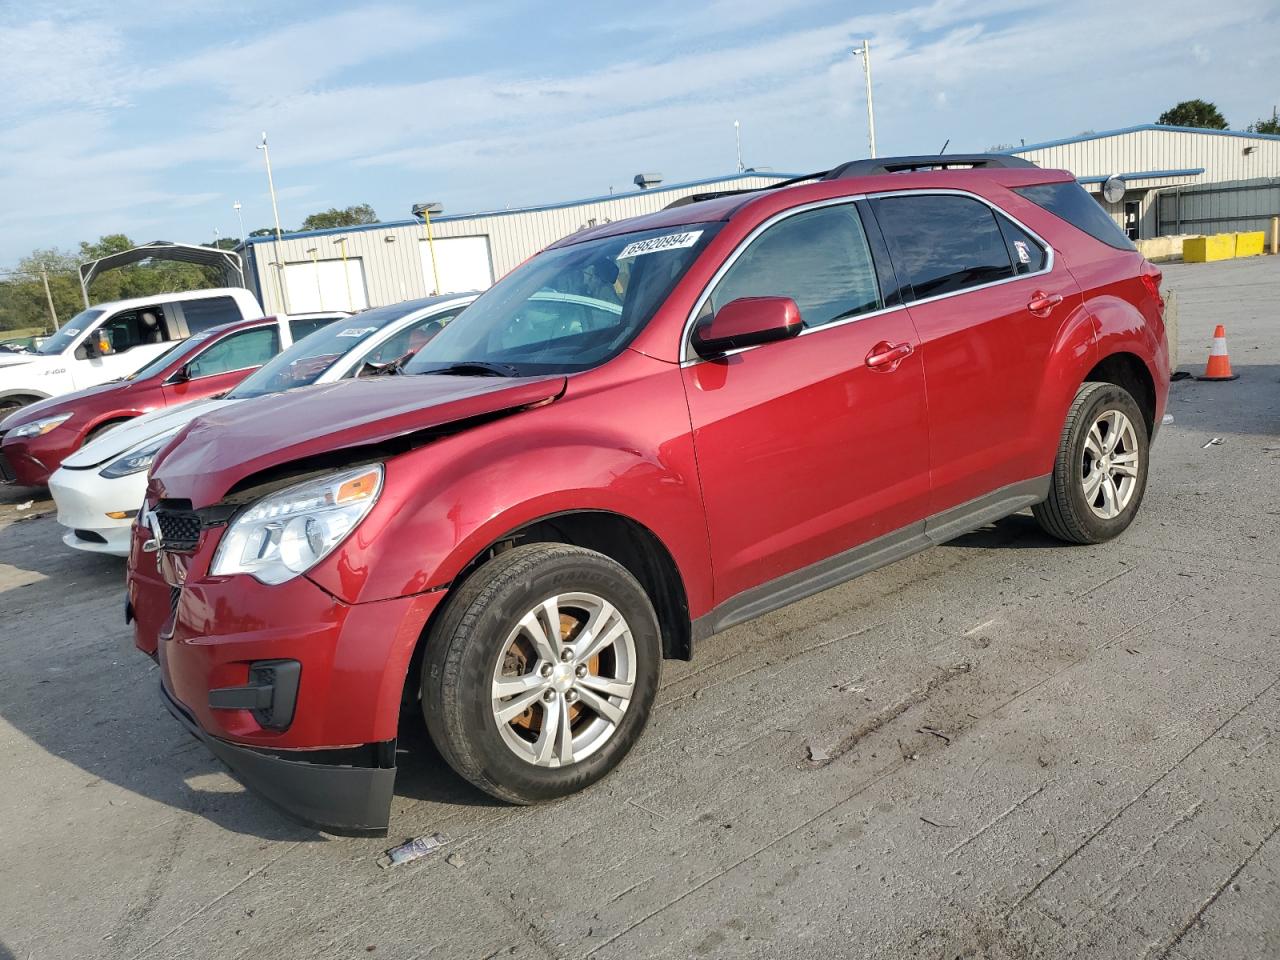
716	194
868	168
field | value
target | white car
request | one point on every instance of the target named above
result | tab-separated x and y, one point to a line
99	488
111	340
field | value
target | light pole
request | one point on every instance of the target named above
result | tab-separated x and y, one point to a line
239	216
865	53
737	136
425	210
316	266
275	210
341	242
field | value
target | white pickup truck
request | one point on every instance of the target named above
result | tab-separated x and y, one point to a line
111	340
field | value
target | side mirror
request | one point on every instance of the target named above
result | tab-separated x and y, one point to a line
181	375
90	348
747	322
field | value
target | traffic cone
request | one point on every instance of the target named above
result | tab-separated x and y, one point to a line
1219	365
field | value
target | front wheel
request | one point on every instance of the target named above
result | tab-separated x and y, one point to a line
1100	474
541	672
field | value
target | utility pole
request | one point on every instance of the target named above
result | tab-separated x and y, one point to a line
275	210
737	136
342	242
239	216
865	52
53	314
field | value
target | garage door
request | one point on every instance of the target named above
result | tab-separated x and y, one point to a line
463	261
323	286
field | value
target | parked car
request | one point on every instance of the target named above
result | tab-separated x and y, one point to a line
110	340
100	487
802	384
35	439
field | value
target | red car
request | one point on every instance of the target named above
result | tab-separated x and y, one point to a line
37	438
649	432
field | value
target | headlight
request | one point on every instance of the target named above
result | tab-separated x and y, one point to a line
289	532
38	428
136	460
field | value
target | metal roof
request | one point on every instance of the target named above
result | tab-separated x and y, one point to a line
413	222
229	261
1138	129
1146	175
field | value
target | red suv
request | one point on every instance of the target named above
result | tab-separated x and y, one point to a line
649	432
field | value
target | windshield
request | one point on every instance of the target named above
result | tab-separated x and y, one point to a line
77	325
304	362
571	308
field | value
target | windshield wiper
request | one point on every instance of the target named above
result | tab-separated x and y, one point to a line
477	368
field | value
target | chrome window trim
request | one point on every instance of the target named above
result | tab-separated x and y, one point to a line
689	357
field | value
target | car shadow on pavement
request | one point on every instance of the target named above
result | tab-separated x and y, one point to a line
76	687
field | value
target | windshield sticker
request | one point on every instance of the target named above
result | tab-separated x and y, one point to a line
356	331
71	331
669	241
1024	255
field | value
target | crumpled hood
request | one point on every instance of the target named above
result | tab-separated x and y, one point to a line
221	448
138	431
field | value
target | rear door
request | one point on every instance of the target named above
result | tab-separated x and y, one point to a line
988	302
805	450
223	364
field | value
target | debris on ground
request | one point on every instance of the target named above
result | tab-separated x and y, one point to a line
1180	375
818	754
26	506
1211	442
938	823
412	850
935	732
455	860
1167	418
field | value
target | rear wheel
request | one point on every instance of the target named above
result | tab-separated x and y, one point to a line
1100	474
540	675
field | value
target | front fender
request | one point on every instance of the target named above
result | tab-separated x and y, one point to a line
622	447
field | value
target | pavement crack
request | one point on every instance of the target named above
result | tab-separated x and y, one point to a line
1195	918
987	826
1124	809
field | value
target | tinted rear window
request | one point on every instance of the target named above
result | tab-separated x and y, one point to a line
209	312
1070	202
942	244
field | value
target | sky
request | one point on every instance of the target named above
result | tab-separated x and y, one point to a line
142	117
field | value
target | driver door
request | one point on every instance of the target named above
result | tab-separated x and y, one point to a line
805	449
223	364
120	344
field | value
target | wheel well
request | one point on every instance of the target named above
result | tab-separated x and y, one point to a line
106	425
623	540
21	399
1128	371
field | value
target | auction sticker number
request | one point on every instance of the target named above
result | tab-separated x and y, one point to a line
668	241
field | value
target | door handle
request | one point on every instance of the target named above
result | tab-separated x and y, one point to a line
886	356
1042	304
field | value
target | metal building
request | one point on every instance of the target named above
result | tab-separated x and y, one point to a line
1152	158
381	263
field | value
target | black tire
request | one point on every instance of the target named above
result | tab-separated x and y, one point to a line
100	429
1067	514
462	653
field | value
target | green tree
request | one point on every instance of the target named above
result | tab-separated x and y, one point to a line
266	232
1271	125
1194	113
346	217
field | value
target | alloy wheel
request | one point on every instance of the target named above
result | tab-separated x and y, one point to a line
1109	464
564	679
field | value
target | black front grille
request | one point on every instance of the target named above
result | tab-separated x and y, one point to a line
175	594
178	528
6	471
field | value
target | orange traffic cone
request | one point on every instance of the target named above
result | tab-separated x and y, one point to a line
1219	365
